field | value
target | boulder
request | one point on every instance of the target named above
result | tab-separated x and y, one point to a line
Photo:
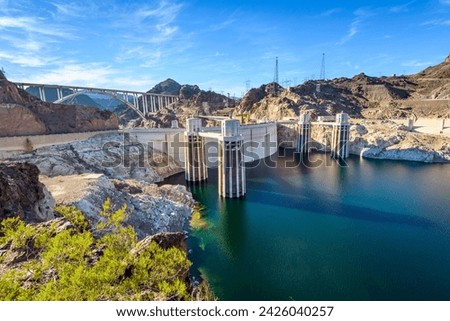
21	193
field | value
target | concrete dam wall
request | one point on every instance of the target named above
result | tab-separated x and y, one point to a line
260	141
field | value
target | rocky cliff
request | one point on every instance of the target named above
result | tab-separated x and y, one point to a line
23	114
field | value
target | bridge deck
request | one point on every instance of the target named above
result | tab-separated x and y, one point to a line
24	84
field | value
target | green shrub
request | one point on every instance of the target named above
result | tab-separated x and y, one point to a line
75	265
74	216
15	230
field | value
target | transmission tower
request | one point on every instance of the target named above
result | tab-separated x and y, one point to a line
322	68
247	85
275	77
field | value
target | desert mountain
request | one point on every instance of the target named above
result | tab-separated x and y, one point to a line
166	87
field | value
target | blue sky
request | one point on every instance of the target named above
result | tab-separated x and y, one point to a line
217	45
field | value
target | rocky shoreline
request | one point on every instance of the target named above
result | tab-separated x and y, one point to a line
379	139
388	140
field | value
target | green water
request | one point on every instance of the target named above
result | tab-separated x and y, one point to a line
373	230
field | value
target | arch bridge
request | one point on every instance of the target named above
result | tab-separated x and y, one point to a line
143	103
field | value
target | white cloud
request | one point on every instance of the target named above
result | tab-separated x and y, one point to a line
133	83
436	22
68	9
401	8
416	63
32	25
23	61
352	31
92	75
150	58
165	13
152	26
28	41
361	15
330	12
222	25
28	45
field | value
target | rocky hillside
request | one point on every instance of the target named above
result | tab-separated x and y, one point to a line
425	94
23	114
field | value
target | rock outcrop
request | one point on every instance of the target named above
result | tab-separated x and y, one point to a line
24	114
187	91
150	208
21	193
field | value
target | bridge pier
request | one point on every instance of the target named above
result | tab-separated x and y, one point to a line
232	181
42	93
152	104
145	104
59	93
304	133
340	142
195	162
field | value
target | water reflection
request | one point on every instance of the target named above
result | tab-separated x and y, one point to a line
232	224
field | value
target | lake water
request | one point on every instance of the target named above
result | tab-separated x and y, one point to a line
371	230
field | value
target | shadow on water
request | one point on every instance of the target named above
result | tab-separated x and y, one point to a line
349	211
